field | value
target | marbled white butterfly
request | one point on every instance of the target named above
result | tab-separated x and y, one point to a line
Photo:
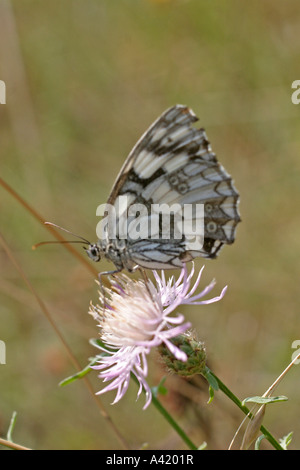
171	163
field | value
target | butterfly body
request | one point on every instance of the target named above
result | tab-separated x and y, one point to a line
172	165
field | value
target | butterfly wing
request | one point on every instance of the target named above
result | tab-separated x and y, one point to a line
173	163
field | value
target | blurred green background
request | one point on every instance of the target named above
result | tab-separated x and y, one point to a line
84	79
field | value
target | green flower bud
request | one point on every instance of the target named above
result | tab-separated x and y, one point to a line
193	348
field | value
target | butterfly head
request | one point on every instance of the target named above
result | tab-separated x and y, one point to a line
93	252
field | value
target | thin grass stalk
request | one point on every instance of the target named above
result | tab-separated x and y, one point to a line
73	359
51	229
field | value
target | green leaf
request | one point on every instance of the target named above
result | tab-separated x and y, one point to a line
78	375
160	388
211	394
96	342
213	383
286	440
264	400
11	426
202	446
211	379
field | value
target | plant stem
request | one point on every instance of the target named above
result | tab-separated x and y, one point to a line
169	418
11	426
244	409
173	423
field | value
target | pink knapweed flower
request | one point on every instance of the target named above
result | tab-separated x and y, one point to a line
134	317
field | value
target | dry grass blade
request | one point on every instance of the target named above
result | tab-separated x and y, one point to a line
12	445
62	339
253	428
50	228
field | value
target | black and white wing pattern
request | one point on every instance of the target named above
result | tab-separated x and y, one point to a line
173	163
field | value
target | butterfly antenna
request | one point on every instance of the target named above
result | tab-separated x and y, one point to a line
68	231
34	247
82	240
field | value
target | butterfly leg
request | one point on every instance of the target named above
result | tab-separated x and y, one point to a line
106	273
146	279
